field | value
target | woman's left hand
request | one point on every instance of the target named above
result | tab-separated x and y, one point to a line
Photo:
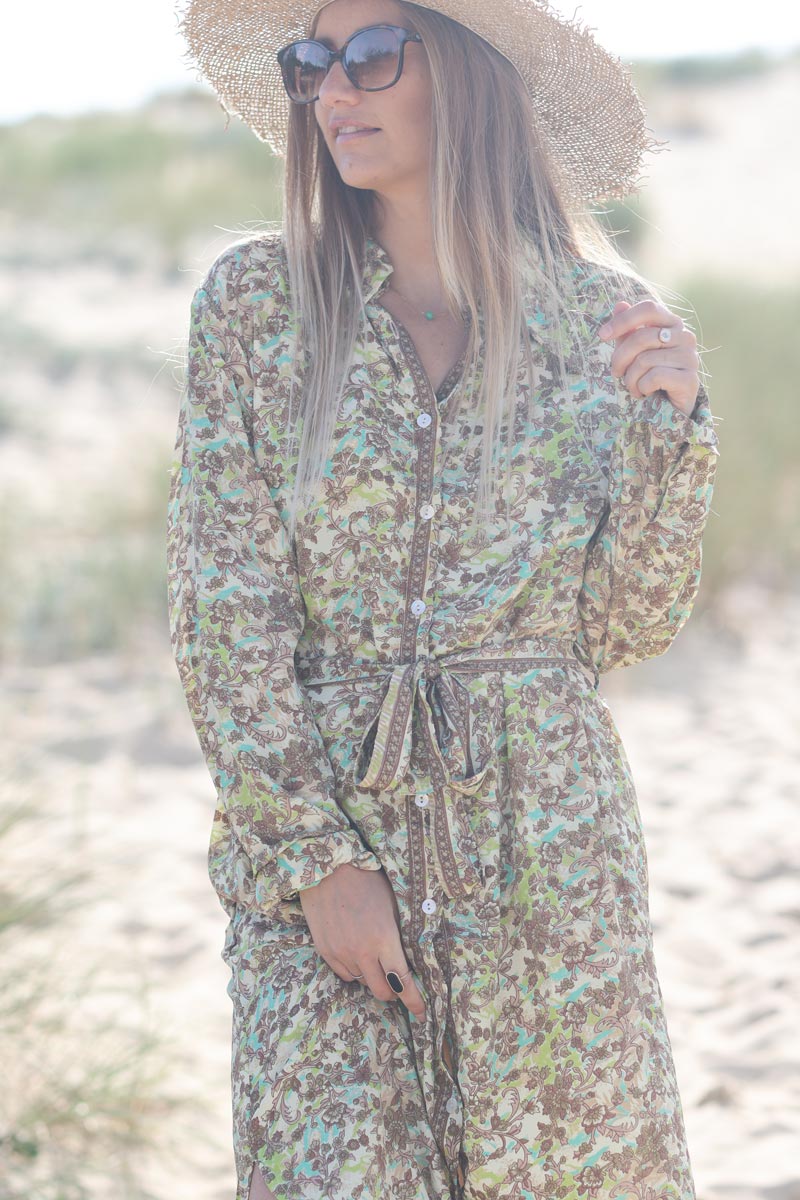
643	363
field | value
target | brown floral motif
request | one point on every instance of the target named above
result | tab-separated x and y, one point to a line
461	745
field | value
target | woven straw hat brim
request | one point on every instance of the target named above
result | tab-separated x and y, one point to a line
587	107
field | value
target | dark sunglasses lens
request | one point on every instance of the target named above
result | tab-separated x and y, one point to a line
372	58
303	68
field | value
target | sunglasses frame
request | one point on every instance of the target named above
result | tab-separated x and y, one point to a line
405	35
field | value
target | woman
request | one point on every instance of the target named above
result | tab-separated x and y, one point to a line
441	462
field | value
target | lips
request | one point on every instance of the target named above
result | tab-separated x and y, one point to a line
343	137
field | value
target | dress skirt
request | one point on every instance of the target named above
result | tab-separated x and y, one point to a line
543	1067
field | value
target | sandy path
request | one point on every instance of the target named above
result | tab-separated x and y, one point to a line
712	731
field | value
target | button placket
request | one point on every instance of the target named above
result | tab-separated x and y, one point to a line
416	633
431	454
419	605
431	903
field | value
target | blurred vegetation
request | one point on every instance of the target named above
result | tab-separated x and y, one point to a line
702	69
59	362
749	339
85	1088
142	187
94	580
123	184
88	579
627	223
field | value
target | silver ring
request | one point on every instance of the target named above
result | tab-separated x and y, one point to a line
665	335
357	977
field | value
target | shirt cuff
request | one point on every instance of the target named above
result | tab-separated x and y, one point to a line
306	862
675	426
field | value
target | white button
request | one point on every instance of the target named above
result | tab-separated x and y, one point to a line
452	1105
418	606
424	420
428	906
426	512
421	801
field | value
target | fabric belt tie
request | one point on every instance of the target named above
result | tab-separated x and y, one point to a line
430	686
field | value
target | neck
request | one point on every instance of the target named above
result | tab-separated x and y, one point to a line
404	230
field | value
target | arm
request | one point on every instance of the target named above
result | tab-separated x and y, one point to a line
643	563
236	613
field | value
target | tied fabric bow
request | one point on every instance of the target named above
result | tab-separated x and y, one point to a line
391	750
429	685
432	684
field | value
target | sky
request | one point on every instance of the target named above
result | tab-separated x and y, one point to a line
114	54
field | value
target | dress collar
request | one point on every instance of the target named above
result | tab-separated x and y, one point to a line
377	268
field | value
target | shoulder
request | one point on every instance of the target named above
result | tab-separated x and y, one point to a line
587	293
598	287
245	279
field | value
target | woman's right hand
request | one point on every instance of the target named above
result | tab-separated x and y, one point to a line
353	918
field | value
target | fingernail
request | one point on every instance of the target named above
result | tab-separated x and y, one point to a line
605	330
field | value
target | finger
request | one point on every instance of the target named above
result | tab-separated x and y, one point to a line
629	367
679	384
619	307
645	312
349	974
643	343
410	995
678	360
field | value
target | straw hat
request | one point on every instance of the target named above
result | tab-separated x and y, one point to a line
587	107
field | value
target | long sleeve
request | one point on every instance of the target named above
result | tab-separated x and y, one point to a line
236	613
643	563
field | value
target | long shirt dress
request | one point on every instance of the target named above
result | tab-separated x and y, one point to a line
397	690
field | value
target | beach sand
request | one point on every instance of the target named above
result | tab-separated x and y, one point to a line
712	731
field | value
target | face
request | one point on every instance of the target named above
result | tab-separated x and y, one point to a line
395	158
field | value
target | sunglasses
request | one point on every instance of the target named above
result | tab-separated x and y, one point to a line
372	60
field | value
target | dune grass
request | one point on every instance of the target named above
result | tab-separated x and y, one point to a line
128	186
86	1092
93	579
87	580
122	185
752	359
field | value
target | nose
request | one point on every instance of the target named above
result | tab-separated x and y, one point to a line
336	86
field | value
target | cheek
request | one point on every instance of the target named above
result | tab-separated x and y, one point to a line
416	109
422	116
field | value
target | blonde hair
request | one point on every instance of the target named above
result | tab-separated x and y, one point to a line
504	231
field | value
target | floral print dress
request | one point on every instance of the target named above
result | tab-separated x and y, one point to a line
396	689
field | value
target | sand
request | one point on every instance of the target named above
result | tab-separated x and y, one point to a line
712	730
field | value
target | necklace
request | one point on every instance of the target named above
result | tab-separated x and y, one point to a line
426	312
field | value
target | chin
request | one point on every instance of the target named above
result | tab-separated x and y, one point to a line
360	179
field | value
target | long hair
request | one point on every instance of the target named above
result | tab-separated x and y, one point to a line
504	230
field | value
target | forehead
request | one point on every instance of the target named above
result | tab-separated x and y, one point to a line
341	18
